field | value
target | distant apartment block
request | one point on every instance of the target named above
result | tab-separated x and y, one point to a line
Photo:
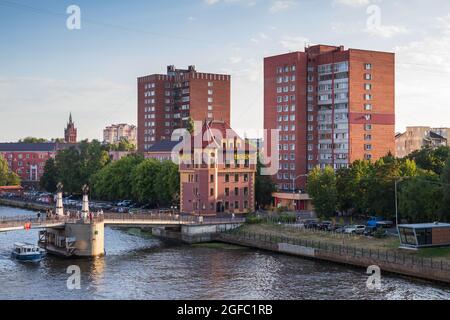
415	138
332	106
117	132
168	101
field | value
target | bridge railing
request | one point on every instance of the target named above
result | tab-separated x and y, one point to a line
170	218
12	222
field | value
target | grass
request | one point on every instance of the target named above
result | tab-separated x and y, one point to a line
388	243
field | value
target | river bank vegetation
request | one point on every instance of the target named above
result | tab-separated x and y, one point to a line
368	188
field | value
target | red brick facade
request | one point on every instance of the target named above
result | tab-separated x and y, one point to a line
332	106
215	186
166	102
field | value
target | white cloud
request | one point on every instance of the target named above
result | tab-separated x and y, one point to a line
423	73
387	31
294	43
352	3
281	5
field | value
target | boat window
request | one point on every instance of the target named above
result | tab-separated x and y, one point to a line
424	237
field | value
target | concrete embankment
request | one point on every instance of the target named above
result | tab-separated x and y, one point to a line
25	205
428	269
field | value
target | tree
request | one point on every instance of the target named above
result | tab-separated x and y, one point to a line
123	145
167	184
190	127
7	177
49	179
32	140
144	181
431	159
264	187
420	198
445	180
322	188
115	180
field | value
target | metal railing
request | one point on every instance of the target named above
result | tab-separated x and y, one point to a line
379	255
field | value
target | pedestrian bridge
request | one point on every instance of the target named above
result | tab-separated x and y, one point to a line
111	219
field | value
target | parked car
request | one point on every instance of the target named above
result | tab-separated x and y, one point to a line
325	226
311	224
356	229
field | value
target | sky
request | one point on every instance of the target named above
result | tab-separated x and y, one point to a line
48	70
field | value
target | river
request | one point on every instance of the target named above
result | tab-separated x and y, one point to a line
137	266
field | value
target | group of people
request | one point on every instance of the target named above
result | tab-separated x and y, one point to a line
51	215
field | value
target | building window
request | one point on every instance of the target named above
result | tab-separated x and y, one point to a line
368	66
227	178
227	192
368	76
368	107
368	86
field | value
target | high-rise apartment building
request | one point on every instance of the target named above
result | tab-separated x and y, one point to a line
332	107
168	102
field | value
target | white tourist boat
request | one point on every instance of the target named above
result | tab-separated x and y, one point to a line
27	252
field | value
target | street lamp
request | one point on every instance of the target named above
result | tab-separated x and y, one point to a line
397	181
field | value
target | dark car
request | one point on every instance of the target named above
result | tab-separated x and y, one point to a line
325	226
311	224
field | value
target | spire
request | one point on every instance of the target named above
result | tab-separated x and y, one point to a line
70	118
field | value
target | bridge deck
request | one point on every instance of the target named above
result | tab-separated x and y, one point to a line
19	223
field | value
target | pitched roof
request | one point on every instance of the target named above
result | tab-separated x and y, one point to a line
434	135
163	146
28	147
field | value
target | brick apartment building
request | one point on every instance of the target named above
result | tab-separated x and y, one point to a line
167	101
415	138
332	107
222	179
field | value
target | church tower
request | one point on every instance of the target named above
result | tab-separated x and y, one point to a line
70	133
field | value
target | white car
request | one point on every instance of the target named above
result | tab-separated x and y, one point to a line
357	229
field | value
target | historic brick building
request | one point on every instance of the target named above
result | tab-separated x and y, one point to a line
70	133
28	159
217	173
167	102
332	107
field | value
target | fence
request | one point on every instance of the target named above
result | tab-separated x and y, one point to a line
392	257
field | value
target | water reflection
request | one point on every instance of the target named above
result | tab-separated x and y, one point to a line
140	267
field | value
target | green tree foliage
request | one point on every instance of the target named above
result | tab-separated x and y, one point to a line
322	187
49	179
431	159
264	187
115	181
419	198
75	166
123	145
167	186
32	140
146	181
7	177
445	179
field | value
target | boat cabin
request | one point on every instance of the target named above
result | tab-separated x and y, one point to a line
424	235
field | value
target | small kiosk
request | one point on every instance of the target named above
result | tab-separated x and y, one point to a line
424	235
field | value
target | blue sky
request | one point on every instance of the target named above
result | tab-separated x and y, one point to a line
46	70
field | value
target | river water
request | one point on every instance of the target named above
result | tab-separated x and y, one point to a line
137	266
